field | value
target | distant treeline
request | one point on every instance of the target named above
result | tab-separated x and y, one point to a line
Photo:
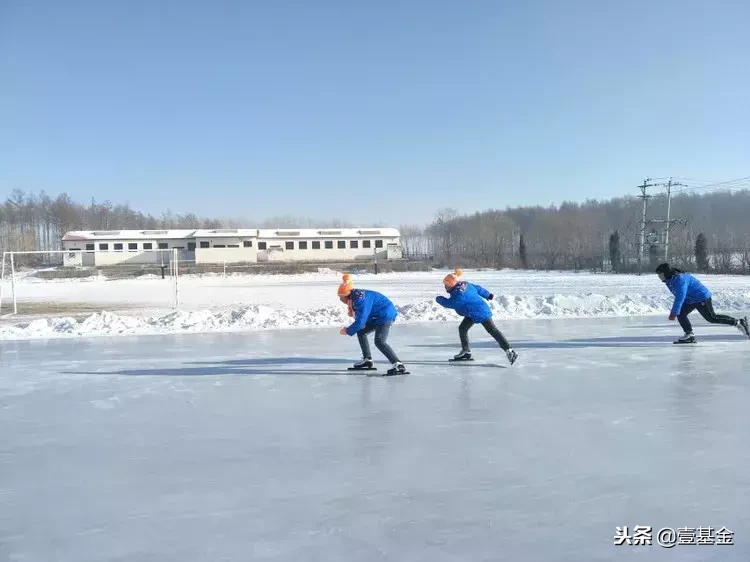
38	222
713	235
595	235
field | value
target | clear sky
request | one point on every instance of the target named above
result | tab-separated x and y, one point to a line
368	111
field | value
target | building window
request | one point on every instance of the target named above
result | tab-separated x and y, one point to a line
233	246
104	246
316	245
163	246
89	247
219	246
148	246
261	245
205	244
378	243
118	247
342	244
247	244
354	243
329	244
131	246
303	244
289	245
365	243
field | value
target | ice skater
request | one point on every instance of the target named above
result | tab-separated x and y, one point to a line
468	300
372	312
689	295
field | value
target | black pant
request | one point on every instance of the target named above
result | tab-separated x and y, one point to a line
489	325
381	335
706	310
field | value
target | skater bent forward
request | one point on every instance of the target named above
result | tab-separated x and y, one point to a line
467	299
373	312
689	295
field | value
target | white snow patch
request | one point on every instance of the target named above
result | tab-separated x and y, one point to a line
256	317
240	302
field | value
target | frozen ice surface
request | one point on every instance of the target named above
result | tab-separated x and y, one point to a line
260	446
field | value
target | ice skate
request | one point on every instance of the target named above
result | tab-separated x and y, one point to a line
397	369
743	327
687	338
464	355
512	355
365	365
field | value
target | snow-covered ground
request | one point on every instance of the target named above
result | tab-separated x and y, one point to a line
210	303
260	446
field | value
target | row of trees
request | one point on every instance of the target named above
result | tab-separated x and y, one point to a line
30	222
713	235
603	235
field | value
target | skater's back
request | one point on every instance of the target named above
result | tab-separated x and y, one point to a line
686	289
371	307
468	299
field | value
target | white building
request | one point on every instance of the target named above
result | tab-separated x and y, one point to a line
100	248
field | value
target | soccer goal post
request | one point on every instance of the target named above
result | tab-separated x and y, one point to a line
11	270
73	282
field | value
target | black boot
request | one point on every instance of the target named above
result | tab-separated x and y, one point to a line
366	363
397	369
464	355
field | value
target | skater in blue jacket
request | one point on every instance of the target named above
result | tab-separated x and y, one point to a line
372	312
689	295
468	300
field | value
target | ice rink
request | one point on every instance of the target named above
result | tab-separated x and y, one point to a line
261	446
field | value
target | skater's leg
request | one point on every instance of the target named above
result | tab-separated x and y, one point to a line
492	330
683	318
363	343
707	311
381	337
463	333
489	325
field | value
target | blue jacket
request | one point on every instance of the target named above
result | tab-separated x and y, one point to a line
467	299
686	290
370	307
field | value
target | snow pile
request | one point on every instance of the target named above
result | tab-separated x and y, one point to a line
258	317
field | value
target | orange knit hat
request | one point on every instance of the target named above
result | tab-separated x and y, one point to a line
346	287
451	279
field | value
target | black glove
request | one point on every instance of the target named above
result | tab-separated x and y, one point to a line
491	296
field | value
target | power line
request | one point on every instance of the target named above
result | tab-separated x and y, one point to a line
737	183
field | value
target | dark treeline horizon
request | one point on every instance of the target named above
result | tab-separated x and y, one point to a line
571	235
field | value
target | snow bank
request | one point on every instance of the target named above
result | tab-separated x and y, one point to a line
258	317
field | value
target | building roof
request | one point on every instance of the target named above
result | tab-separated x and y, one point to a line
226	233
82	235
328	232
181	234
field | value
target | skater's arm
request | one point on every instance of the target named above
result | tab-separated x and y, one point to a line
484	293
361	312
680	292
447	303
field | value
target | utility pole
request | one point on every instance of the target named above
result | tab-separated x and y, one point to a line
668	222
643	223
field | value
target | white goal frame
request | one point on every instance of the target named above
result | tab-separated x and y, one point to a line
10	273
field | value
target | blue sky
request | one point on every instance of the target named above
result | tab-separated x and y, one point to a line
368	111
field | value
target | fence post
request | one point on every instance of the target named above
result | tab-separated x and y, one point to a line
13	283
2	282
176	266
